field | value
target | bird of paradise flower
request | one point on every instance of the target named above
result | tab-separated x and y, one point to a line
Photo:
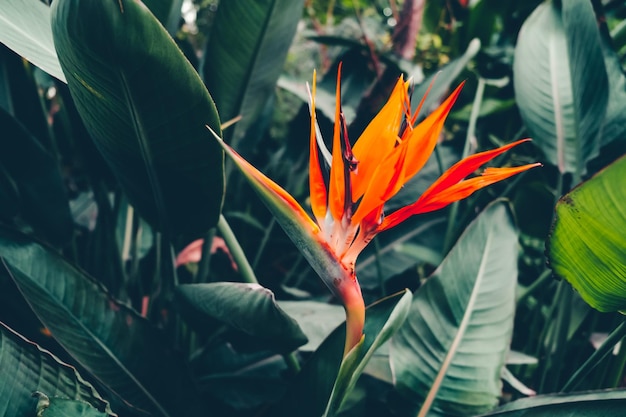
348	200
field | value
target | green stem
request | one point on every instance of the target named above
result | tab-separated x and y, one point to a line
245	269
617	370
603	351
545	276
558	337
205	261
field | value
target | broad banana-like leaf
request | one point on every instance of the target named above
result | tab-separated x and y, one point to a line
25	28
245	55
116	345
146	109
450	351
25	368
586	246
561	82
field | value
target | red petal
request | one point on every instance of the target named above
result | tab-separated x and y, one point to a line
450	186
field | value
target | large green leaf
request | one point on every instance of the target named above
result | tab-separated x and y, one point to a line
167	12
249	308
453	345
37	177
561	82
63	407
245	55
587	243
321	386
25	28
26	368
114	343
588	404
146	109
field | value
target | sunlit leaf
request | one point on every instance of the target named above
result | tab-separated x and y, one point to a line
146	109
587	243
25	28
458	331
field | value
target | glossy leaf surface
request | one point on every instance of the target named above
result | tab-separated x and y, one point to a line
561	82
459	327
587	243
146	109
244	57
249	308
25	367
111	341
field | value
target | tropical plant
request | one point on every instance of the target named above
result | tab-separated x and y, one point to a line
142	274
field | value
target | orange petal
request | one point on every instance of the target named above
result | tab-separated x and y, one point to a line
405	160
336	190
465	167
466	188
316	178
378	139
387	181
456	192
424	136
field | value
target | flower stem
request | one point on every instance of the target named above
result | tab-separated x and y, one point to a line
245	269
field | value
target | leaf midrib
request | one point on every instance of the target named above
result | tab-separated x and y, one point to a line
432	393
248	75
86	330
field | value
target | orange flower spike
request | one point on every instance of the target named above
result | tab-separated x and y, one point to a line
380	135
336	192
405	159
317	187
451	186
424	136
389	152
